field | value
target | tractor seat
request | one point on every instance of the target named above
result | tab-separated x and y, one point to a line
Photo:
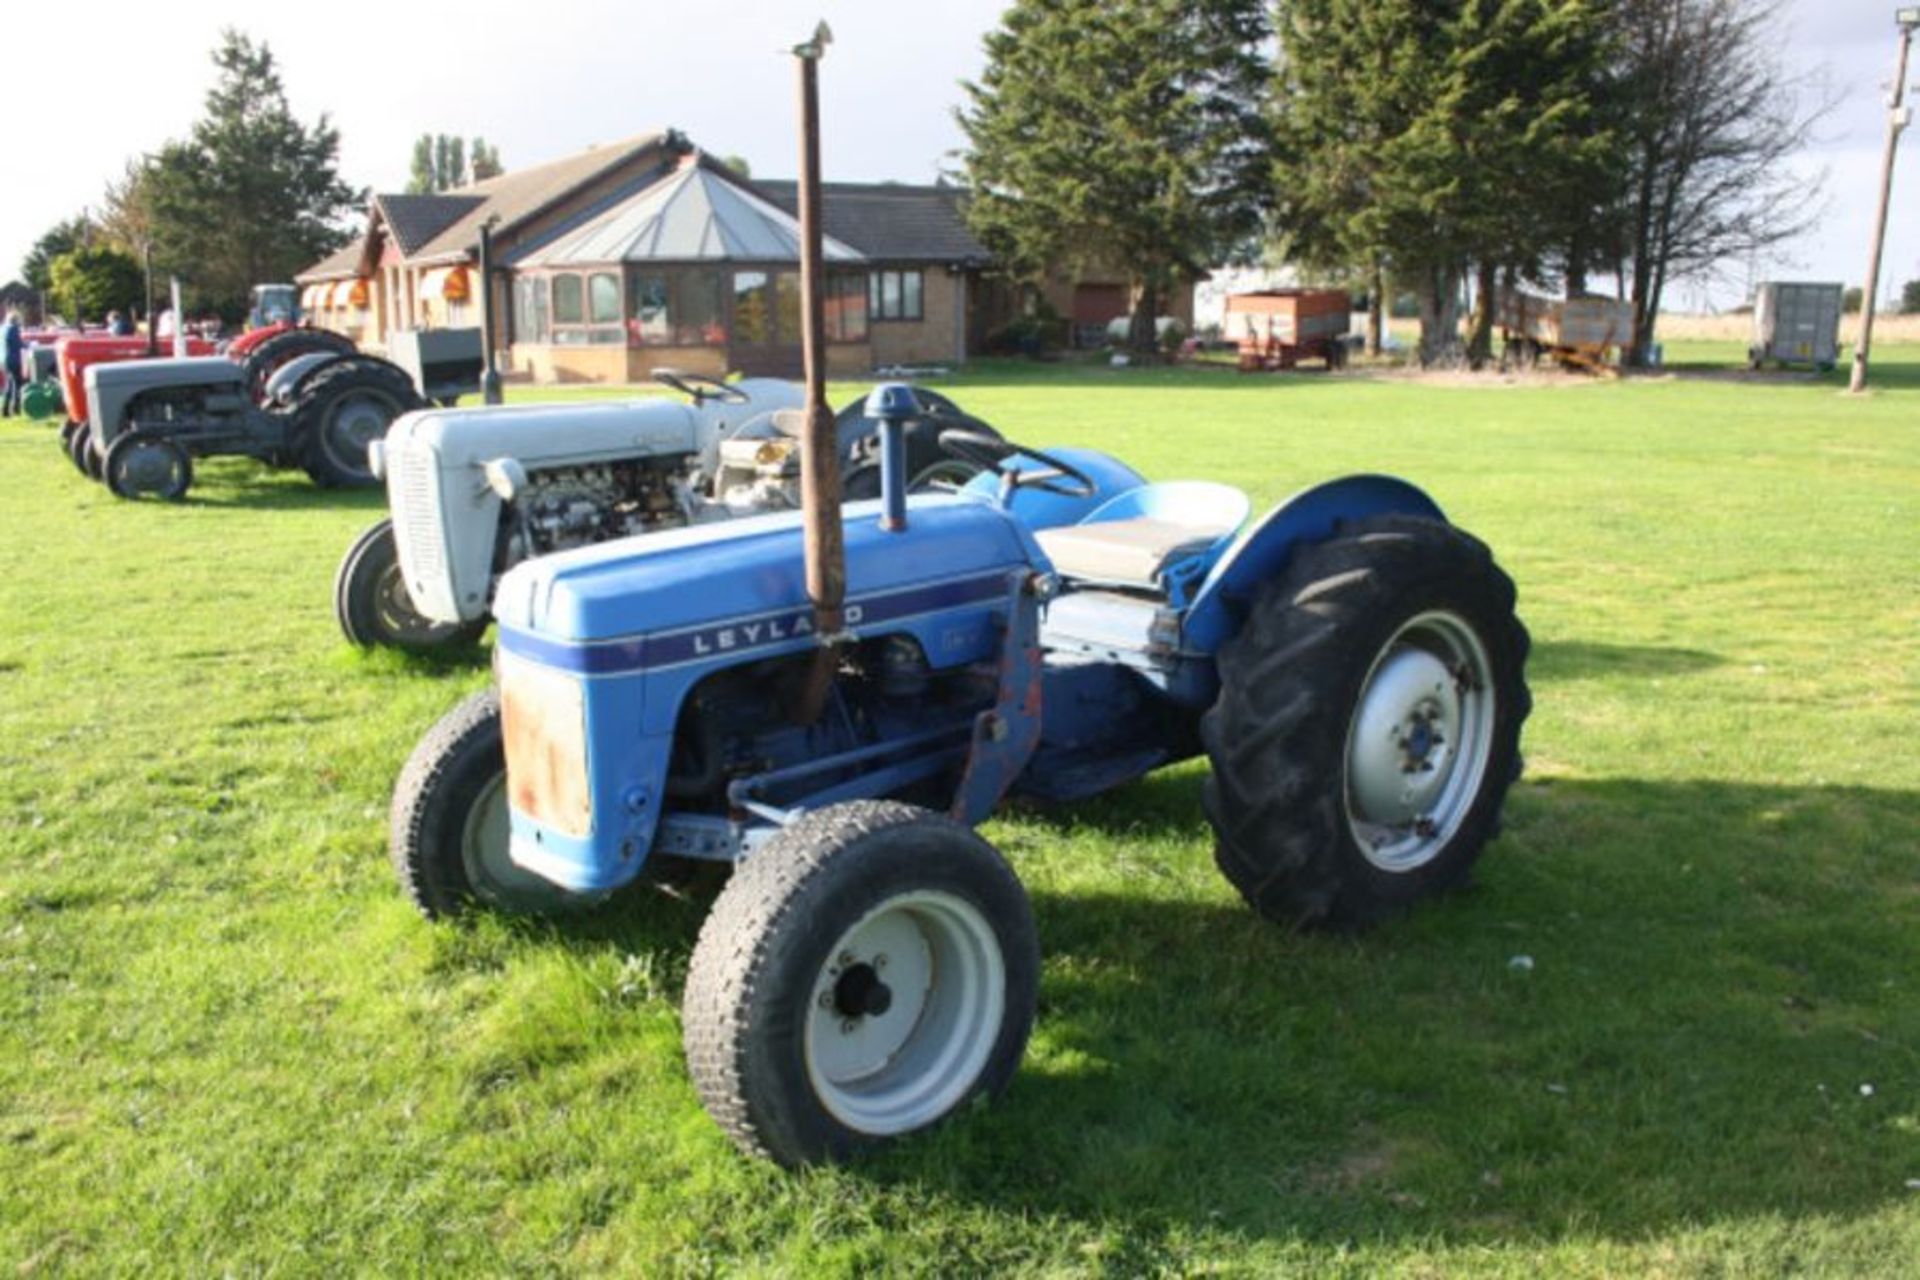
1131	552
1137	537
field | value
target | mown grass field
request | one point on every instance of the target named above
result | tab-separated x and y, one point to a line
227	1046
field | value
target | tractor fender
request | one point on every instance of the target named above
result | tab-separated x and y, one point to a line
1263	547
283	387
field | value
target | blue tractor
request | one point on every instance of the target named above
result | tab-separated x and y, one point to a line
1350	662
831	700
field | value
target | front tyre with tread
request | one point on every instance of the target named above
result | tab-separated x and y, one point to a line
140	464
371	603
866	972
448	837
1368	724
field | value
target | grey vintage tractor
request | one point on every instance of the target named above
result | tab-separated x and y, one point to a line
317	409
473	492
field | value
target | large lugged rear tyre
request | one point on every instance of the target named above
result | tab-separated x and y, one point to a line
1368	724
342	409
449	823
370	601
263	360
865	973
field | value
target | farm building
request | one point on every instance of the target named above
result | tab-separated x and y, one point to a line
647	252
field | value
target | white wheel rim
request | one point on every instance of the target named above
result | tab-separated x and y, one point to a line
901	1069
1419	742
484	839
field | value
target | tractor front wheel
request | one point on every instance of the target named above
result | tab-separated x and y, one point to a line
449	823
370	601
140	464
1368	724
864	974
77	444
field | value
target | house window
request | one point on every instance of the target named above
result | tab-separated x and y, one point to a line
530	310
586	310
846	309
603	298
652	318
676	307
895	295
700	312
752	308
568	300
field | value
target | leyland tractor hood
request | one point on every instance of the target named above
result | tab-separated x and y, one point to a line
749	572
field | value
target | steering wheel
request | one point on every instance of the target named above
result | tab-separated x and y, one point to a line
701	387
989	453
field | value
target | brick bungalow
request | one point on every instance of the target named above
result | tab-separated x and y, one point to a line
647	252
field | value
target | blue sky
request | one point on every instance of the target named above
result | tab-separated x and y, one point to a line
541	80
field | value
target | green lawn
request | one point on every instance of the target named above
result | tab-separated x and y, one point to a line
227	1045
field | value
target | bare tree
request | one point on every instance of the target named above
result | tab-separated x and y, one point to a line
1712	119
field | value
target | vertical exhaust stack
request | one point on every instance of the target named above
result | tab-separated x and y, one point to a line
826	552
179	319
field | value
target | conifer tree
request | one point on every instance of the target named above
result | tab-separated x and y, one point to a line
1435	137
1123	133
252	195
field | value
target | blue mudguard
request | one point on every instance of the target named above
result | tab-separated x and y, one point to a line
1262	548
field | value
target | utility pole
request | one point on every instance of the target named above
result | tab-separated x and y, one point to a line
489	326
1906	19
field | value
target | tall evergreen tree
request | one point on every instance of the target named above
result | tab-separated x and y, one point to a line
1121	132
441	163
486	161
422	179
252	194
1435	137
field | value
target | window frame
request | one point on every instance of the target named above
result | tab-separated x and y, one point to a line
882	309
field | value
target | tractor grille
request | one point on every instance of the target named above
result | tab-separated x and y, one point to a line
415	494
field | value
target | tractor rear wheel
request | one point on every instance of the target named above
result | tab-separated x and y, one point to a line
448	838
370	601
1368	724
67	429
342	409
864	974
263	360
141	464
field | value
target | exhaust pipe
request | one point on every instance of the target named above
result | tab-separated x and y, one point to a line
826	552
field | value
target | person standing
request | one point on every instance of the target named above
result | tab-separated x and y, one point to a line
14	345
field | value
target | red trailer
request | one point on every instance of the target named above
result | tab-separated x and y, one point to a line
1278	328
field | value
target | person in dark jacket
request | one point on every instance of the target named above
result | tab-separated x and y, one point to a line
13	345
118	325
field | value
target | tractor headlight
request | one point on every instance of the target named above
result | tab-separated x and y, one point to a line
543	719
